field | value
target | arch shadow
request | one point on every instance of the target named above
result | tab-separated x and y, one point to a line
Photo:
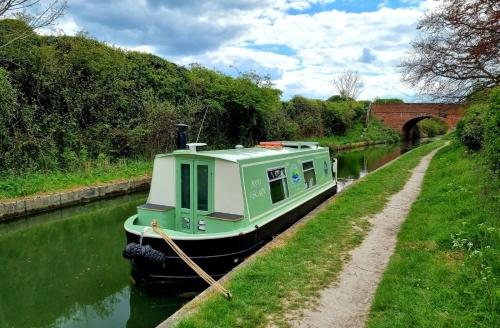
409	130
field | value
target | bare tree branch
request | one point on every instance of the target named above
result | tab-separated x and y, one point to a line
348	84
36	13
458	51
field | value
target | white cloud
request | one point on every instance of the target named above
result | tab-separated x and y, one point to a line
301	52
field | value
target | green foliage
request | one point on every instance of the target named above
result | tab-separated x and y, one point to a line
388	101
492	131
8	105
480	126
340	116
470	129
448	251
308	114
431	127
335	98
86	174
376	131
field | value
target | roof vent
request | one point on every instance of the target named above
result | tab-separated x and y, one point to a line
192	146
239	147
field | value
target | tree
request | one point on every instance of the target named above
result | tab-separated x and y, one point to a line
458	51
348	84
36	13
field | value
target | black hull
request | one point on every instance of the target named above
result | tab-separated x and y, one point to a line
216	256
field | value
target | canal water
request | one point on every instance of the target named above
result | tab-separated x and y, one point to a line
64	268
356	163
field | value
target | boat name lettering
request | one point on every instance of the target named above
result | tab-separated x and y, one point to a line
256	182
257	193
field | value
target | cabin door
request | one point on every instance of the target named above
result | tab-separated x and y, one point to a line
194	194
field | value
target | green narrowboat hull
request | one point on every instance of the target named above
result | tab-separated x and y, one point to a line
220	206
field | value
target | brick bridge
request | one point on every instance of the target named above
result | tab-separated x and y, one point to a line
404	117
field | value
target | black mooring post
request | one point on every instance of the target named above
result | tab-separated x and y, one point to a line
181	136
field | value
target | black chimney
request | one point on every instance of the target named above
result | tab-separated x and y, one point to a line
181	136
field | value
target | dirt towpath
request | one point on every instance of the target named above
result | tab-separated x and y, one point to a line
346	303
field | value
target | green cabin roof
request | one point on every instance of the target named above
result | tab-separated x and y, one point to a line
243	154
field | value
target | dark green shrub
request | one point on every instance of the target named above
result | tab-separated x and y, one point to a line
388	101
492	131
431	127
470	129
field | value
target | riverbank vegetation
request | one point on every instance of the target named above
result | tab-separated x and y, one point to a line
290	275
68	101
445	270
479	130
100	171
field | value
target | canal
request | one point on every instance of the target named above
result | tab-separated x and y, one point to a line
64	268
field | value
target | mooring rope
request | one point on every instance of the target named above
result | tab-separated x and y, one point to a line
211	281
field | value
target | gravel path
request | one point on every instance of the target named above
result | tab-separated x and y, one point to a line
347	302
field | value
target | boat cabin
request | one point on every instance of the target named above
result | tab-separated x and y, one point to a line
209	193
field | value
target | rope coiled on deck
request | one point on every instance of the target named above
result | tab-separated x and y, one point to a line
205	276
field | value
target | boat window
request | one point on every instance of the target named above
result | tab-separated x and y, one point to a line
202	187
325	167
277	184
309	174
185	186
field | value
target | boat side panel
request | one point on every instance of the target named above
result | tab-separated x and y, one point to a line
257	189
162	191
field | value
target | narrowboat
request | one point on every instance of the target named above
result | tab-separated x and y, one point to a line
221	206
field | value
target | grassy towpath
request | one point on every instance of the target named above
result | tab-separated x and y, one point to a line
289	276
446	268
346	302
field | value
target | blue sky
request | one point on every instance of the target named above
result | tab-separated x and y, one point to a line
301	44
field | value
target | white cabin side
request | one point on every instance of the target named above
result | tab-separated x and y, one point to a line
228	191
162	191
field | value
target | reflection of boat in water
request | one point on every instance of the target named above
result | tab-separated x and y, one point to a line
150	310
220	206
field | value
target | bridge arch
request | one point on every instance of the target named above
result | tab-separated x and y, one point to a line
409	129
404	117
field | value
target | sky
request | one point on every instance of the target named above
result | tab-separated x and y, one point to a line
301	44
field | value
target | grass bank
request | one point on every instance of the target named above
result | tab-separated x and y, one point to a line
12	185
446	268
376	131
284	279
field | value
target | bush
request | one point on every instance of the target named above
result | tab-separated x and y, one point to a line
492	131
470	128
388	101
431	127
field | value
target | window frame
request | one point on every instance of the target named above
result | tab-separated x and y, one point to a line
285	187
304	175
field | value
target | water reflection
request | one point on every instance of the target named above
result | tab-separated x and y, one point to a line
64	269
355	164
